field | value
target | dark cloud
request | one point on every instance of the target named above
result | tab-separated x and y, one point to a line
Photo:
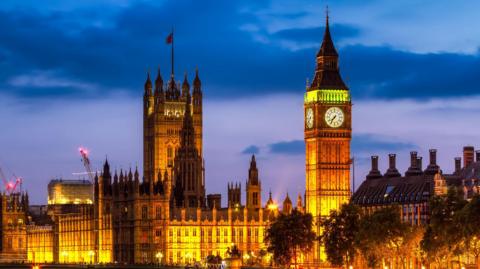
387	73
315	34
251	150
232	64
371	142
294	147
362	143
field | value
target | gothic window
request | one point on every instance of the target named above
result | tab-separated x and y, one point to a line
144	212
158	233
158	212
170	156
255	198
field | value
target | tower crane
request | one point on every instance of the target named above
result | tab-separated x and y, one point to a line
10	186
86	162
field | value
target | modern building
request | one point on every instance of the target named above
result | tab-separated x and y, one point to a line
69	191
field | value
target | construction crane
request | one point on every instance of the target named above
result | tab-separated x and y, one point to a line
10	186
86	162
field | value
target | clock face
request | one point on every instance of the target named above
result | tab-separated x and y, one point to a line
309	118
334	117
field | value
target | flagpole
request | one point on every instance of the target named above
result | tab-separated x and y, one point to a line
172	52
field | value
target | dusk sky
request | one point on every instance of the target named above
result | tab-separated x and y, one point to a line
72	74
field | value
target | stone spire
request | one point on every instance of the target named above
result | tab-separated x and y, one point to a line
148	85
327	75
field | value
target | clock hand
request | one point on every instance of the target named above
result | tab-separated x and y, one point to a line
334	116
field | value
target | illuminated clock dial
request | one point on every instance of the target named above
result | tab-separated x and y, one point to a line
334	117
309	118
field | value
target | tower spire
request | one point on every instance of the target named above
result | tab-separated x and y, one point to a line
148	85
327	75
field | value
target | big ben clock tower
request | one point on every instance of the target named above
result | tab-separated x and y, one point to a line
328	131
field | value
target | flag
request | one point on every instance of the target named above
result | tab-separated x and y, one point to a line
169	39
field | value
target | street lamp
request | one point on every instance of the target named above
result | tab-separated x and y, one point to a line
159	257
188	257
91	254
64	255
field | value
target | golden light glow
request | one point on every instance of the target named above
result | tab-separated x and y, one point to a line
273	206
327	96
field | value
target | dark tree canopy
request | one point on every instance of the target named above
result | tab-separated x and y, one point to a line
289	235
339	232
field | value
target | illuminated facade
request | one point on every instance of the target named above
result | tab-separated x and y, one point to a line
164	217
412	191
328	132
61	191
13	230
163	113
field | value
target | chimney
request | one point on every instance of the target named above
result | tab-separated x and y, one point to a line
468	153
413	159
478	155
392	169
433	156
392	161
374	173
458	164
432	168
415	165
374	163
419	163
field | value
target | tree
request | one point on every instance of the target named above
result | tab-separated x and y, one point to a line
469	221
288	235
339	232
442	240
382	237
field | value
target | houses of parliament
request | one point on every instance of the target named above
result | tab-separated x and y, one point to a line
166	216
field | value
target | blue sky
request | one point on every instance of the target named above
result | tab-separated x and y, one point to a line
72	74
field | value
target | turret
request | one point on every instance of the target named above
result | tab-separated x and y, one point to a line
185	86
197	94
115	184
287	205
106	178
173	91
159	94
234	194
136	183
299	203
148	86
254	188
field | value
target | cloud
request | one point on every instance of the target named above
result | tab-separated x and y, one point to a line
368	142
360	143
314	34
251	150
115	56
48	80
294	147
